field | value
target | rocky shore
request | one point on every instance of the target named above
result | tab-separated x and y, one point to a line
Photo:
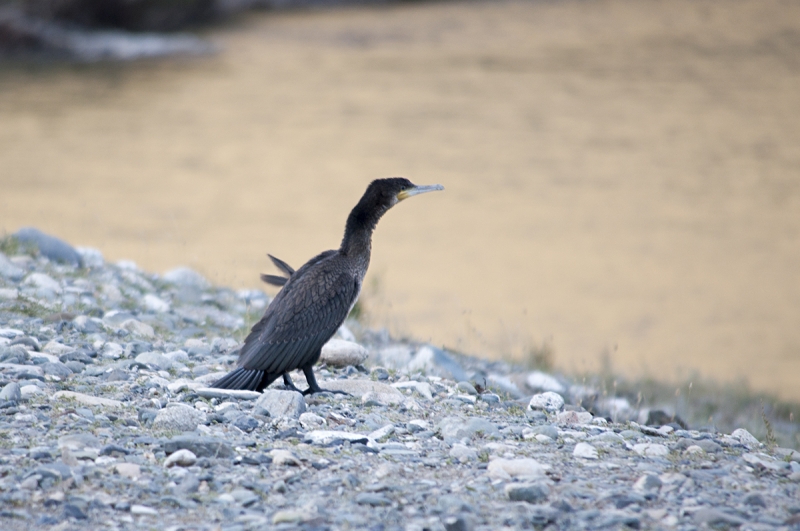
107	422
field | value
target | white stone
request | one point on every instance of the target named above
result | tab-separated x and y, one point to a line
240	394
548	401
694	449
138	328
9	294
284	457
380	433
43	281
423	388
651	450
543	381
463	453
325	437
746	438
310	421
574	417
509	468
341	353
90	257
128	470
182	457
29	391
11	333
585	451
155	304
143	510
156	359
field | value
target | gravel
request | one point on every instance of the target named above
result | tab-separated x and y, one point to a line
107	421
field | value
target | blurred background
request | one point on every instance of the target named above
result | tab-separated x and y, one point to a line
622	176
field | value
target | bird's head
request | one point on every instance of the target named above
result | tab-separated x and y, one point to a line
385	193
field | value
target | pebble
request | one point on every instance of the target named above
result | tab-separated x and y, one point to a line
179	417
94	447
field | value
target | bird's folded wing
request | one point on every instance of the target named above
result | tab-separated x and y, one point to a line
304	315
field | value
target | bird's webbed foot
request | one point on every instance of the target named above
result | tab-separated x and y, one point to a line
313	386
289	384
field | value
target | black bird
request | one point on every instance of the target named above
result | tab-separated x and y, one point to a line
316	298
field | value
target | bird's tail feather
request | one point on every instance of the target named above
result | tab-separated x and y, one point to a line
241	378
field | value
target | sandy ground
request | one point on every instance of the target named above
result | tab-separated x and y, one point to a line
623	177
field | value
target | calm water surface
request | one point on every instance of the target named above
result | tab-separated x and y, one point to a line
622	177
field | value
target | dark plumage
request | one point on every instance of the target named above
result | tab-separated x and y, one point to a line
316	298
275	280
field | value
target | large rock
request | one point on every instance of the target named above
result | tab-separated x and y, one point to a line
53	248
548	401
282	403
9	270
340	353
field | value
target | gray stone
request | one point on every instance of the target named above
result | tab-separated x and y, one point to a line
755	499
181	457
49	246
527	492
647	483
11	392
746	438
201	446
509	468
87	399
56	369
548	401
375	500
466	387
282	403
463	453
46	287
367	389
715	518
179	417
538	380
246	423
155	359
329	437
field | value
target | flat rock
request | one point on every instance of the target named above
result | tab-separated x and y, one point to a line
43	281
86	399
199	445
224	394
381	392
456	428
282	403
423	388
179	417
510	468
329	437
341	353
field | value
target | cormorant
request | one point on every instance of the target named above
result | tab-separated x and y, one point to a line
316	298
275	280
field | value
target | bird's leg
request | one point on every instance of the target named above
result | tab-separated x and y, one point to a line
313	386
288	383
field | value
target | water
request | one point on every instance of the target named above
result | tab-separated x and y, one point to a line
621	178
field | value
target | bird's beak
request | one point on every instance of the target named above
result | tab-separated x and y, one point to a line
405	194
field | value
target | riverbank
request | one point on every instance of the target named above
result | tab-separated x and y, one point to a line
106	416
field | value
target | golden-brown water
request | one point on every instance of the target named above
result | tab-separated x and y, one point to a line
621	176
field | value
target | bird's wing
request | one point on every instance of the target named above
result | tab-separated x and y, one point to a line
274	280
283	266
304	315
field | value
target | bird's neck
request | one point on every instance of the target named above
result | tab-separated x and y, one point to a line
357	241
